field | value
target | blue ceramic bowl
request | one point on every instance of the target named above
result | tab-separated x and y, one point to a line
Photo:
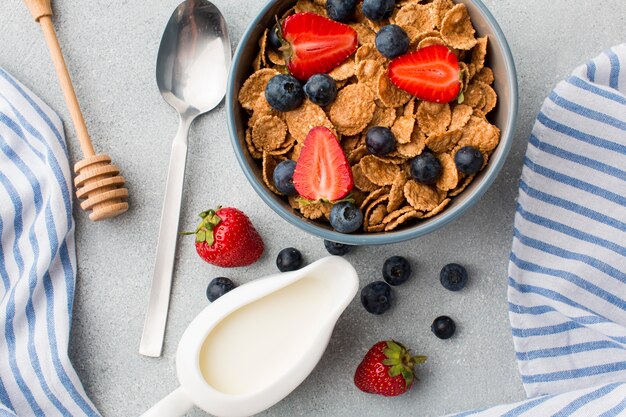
504	116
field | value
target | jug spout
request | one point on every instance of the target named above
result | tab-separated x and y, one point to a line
175	404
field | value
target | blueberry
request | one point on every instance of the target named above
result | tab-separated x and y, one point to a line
321	89
396	270
337	249
453	277
392	41
289	259
380	141
346	217
284	92
468	160
377	297
218	287
283	177
340	10
426	168
272	38
378	9
443	327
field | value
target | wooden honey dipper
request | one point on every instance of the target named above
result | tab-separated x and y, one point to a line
97	180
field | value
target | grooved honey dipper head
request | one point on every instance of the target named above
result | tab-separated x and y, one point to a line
101	187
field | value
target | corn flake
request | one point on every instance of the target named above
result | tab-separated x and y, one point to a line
301	120
460	188
433	118
383	116
480	134
449	178
360	180
367	72
254	152
373	196
379	171
445	141
269	133
413	148
254	87
364	34
353	109
414	214
397	213
437	209
269	164
485	75
303	6
389	94
343	71
439	10
421	196
402	129
417	16
368	51
457	29
396	194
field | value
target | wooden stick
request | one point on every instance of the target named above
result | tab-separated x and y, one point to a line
66	86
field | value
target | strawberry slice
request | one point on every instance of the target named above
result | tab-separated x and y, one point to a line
322	171
430	74
313	44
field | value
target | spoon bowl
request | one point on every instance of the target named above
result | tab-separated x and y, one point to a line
193	56
191	72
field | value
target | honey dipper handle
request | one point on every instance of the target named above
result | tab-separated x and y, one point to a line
39	8
43	16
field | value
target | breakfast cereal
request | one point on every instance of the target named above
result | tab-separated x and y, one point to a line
383	187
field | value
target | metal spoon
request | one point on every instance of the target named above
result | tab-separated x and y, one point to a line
191	72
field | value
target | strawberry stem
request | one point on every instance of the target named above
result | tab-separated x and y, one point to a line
204	231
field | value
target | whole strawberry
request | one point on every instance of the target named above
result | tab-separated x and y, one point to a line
387	369
225	237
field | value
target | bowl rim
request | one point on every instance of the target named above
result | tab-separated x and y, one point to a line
384	238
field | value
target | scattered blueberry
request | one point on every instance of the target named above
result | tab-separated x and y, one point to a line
346	217
284	92
392	41
340	10
443	327
321	89
426	168
289	259
453	277
380	141
378	9
283	177
468	160
337	249
272	38
218	287
396	270
377	297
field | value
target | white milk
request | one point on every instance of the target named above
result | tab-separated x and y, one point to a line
256	344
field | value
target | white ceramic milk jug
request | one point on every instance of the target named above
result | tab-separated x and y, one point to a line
254	345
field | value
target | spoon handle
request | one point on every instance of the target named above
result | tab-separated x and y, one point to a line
156	316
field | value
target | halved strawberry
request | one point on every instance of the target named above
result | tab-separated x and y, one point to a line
322	171
314	44
430	74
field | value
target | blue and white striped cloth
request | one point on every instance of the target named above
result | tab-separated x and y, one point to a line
37	260
567	272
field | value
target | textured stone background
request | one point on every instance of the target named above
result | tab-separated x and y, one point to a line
111	48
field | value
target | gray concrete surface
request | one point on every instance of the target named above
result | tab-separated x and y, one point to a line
111	47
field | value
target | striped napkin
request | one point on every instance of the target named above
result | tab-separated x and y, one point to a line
567	272
37	260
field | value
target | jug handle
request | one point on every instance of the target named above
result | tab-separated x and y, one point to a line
175	404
